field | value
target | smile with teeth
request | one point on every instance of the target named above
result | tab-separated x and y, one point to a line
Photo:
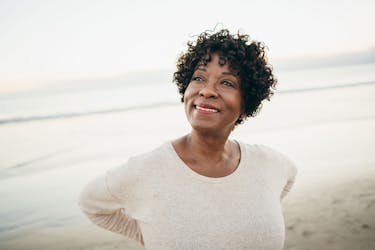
207	109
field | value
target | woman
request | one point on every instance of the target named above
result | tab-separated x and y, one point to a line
203	191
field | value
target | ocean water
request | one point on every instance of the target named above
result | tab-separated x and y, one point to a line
99	98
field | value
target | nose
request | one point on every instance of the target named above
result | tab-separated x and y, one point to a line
208	91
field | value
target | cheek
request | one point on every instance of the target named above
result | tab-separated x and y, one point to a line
188	92
187	97
237	105
235	101
240	101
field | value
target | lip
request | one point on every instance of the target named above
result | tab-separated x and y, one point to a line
206	108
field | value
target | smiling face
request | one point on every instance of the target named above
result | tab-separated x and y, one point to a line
213	97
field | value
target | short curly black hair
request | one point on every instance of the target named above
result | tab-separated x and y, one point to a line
246	57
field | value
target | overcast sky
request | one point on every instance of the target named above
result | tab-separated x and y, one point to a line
44	41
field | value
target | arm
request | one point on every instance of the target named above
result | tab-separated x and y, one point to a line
291	172
287	187
100	204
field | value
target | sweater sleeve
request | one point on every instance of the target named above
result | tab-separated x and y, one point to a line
100	204
291	172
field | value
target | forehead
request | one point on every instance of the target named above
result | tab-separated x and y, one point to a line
218	59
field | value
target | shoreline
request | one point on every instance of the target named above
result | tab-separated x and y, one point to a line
161	104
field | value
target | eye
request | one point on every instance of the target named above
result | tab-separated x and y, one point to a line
228	83
197	78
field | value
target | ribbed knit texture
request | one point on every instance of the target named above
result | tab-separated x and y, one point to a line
156	199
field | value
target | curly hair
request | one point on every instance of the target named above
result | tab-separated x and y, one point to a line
245	57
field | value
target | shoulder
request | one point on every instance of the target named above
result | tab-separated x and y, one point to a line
148	163
137	170
152	158
260	151
147	159
270	157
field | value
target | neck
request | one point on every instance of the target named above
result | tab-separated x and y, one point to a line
207	154
209	146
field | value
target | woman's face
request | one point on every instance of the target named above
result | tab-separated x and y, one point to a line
213	98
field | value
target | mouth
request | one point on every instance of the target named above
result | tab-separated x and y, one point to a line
204	108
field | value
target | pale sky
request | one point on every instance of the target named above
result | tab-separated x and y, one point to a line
45	41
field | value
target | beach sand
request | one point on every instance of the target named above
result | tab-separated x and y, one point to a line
329	134
335	216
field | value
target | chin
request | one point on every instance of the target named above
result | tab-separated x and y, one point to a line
209	128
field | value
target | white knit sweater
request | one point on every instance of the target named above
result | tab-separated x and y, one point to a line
158	200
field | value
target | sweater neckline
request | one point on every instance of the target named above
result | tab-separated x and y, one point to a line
185	169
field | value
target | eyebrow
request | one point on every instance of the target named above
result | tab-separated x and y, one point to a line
201	68
230	73
224	73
